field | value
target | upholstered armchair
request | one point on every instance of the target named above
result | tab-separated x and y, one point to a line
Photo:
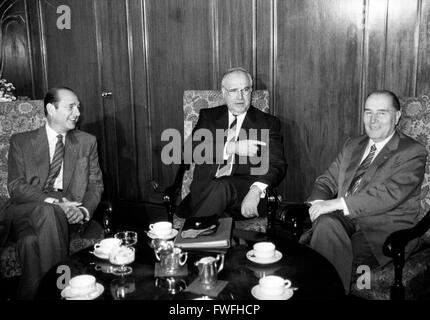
20	116
402	278
193	101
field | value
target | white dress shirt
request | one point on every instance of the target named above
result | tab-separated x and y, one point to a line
239	119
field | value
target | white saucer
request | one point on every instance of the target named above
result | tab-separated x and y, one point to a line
100	255
65	293
276	258
172	234
256	292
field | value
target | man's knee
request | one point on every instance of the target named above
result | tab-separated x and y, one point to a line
43	214
325	223
27	241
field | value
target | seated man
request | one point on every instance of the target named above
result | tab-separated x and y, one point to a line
237	176
371	190
54	182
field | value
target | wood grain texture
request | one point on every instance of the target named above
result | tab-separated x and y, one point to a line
179	57
400	57
235	24
15	47
423	66
317	85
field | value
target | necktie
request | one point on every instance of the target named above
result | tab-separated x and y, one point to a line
55	166
225	169
361	171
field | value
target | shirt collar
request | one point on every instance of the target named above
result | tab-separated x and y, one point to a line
379	145
240	117
52	134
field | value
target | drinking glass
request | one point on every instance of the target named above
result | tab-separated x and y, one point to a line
128	238
122	256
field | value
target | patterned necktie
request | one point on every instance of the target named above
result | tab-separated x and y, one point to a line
361	171
225	169
55	166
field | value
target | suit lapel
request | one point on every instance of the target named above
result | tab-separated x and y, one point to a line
41	153
70	156
355	156
382	156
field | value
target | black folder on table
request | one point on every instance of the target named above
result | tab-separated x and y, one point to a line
220	238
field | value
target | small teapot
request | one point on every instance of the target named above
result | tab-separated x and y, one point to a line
208	269
172	259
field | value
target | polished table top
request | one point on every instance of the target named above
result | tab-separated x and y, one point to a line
311	273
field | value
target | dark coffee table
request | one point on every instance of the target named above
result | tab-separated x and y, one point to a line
314	276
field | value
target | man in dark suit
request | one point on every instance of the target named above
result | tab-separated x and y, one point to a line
248	159
55	183
371	190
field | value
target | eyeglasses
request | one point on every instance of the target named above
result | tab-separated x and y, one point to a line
234	92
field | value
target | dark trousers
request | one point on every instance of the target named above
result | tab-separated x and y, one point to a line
340	241
42	236
221	196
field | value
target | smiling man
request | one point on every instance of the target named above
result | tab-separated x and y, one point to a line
230	185
55	184
371	190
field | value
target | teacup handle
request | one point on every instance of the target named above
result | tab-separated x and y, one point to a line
184	254
97	245
287	283
151	226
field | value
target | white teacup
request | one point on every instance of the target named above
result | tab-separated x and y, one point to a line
162	228
273	285
105	246
82	284
264	250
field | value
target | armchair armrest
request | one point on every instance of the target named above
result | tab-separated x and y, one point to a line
104	216
394	247
293	216
170	193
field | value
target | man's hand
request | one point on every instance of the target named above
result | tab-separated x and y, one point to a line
323	207
70	208
250	203
244	147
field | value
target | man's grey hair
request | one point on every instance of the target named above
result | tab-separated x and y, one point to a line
234	70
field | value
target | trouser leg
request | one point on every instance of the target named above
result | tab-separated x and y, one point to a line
331	238
41	232
221	195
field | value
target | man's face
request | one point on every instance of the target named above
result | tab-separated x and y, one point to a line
237	90
380	117
66	115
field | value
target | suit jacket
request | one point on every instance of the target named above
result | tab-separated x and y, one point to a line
274	168
388	197
28	168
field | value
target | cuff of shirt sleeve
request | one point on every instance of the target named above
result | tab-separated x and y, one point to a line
51	200
262	187
85	212
345	208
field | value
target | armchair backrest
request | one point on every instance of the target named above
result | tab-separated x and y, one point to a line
194	100
15	117
415	122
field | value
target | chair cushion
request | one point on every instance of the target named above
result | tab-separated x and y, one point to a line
416	279
415	122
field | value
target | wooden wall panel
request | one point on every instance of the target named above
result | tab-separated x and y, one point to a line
423	65
317	84
264	59
15	52
180	57
115	54
143	139
236	30
401	53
